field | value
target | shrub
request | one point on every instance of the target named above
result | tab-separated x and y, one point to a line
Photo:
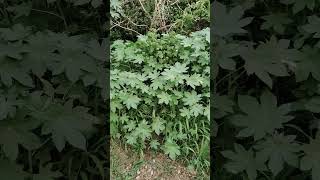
160	94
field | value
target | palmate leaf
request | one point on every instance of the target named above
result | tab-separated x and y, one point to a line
311	158
300	5
277	21
13	50
226	23
223	53
269	58
97	50
308	64
154	144
8	107
195	80
164	98
192	98
171	148
15	132
243	160
98	77
143	130
260	119
131	101
158	125
12	70
20	10
66	124
313	104
196	109
313	27
69	43
72	63
16	32
10	101
222	105
96	3
40	47
277	150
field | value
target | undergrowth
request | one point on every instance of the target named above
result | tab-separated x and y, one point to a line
160	95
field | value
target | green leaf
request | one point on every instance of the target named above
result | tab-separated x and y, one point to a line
16	32
226	23
261	118
40	48
15	132
191	99
277	150
300	5
13	50
269	58
164	98
222	105
158	125
224	52
131	101
154	144
243	160
277	21
96	3
73	64
313	26
194	80
97	50
196	109
313	104
10	69
310	160
143	130
172	149
308	64
80	2
66	124
21	10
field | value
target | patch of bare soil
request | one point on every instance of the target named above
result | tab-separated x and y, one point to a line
152	167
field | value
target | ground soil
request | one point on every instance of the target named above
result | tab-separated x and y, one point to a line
127	165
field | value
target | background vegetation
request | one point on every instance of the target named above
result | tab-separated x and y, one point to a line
266	89
53	89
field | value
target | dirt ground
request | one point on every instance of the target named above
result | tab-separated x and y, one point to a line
127	166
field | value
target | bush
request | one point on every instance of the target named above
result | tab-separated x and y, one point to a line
160	94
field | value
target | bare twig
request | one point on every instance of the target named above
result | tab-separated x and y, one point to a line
47	12
145	10
118	25
62	15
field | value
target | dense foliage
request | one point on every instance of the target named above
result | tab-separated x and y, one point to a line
137	17
160	95
53	89
266	75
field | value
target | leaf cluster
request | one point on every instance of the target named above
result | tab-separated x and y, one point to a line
266	89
